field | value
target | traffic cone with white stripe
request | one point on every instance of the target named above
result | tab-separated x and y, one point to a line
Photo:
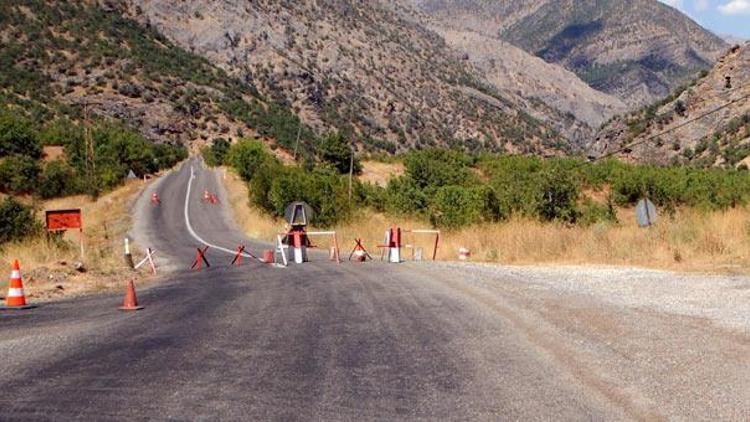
16	299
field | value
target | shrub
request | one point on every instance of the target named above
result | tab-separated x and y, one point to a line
18	174
559	196
403	196
17	136
57	179
458	206
336	151
16	221
61	132
325	191
215	154
246	156
438	167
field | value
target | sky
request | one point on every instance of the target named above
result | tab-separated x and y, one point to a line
723	17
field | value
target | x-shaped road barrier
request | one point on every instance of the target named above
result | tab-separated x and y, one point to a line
149	258
200	259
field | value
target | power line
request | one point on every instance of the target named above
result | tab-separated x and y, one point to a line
672	129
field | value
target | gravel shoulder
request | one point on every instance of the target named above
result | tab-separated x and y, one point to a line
656	344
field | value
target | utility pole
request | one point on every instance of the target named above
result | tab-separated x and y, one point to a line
296	146
90	166
351	170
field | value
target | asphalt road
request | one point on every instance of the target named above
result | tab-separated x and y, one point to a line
371	341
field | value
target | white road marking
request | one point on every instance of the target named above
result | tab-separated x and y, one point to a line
190	227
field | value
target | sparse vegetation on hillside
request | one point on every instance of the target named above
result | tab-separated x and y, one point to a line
705	123
113	152
68	59
453	189
361	69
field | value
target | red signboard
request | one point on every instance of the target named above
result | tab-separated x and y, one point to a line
58	220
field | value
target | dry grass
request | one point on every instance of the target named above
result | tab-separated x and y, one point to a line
48	266
688	241
379	173
254	222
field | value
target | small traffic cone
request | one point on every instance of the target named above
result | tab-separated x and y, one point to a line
131	302
16	299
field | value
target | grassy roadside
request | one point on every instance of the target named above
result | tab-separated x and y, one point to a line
689	240
48	267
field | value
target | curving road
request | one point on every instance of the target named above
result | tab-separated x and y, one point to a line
360	341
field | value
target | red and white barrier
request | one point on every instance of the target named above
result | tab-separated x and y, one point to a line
149	258
334	242
394	242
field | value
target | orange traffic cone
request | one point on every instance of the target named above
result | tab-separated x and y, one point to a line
16	299
131	302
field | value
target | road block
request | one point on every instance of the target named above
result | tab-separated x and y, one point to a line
200	259
149	258
16	299
281	250
335	253
238	256
130	303
359	252
391	246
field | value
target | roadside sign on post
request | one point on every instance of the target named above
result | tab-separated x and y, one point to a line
59	221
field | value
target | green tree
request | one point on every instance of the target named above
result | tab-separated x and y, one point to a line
335	150
57	179
559	196
246	156
17	136
18	174
16	221
459	206
438	167
215	154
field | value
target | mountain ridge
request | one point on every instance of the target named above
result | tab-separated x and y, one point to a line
638	50
706	123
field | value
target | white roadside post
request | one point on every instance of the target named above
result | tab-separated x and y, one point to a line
128	256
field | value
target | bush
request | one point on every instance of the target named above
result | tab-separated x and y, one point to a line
18	174
247	156
404	197
438	167
61	132
215	154
336	151
326	192
559	196
458	206
58	179
17	136
16	221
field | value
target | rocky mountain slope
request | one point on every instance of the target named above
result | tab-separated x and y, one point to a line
701	137
636	50
361	67
547	91
82	61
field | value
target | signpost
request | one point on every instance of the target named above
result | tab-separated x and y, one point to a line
60	221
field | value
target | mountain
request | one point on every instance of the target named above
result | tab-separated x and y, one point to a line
702	135
547	91
636	50
365	68
81	61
